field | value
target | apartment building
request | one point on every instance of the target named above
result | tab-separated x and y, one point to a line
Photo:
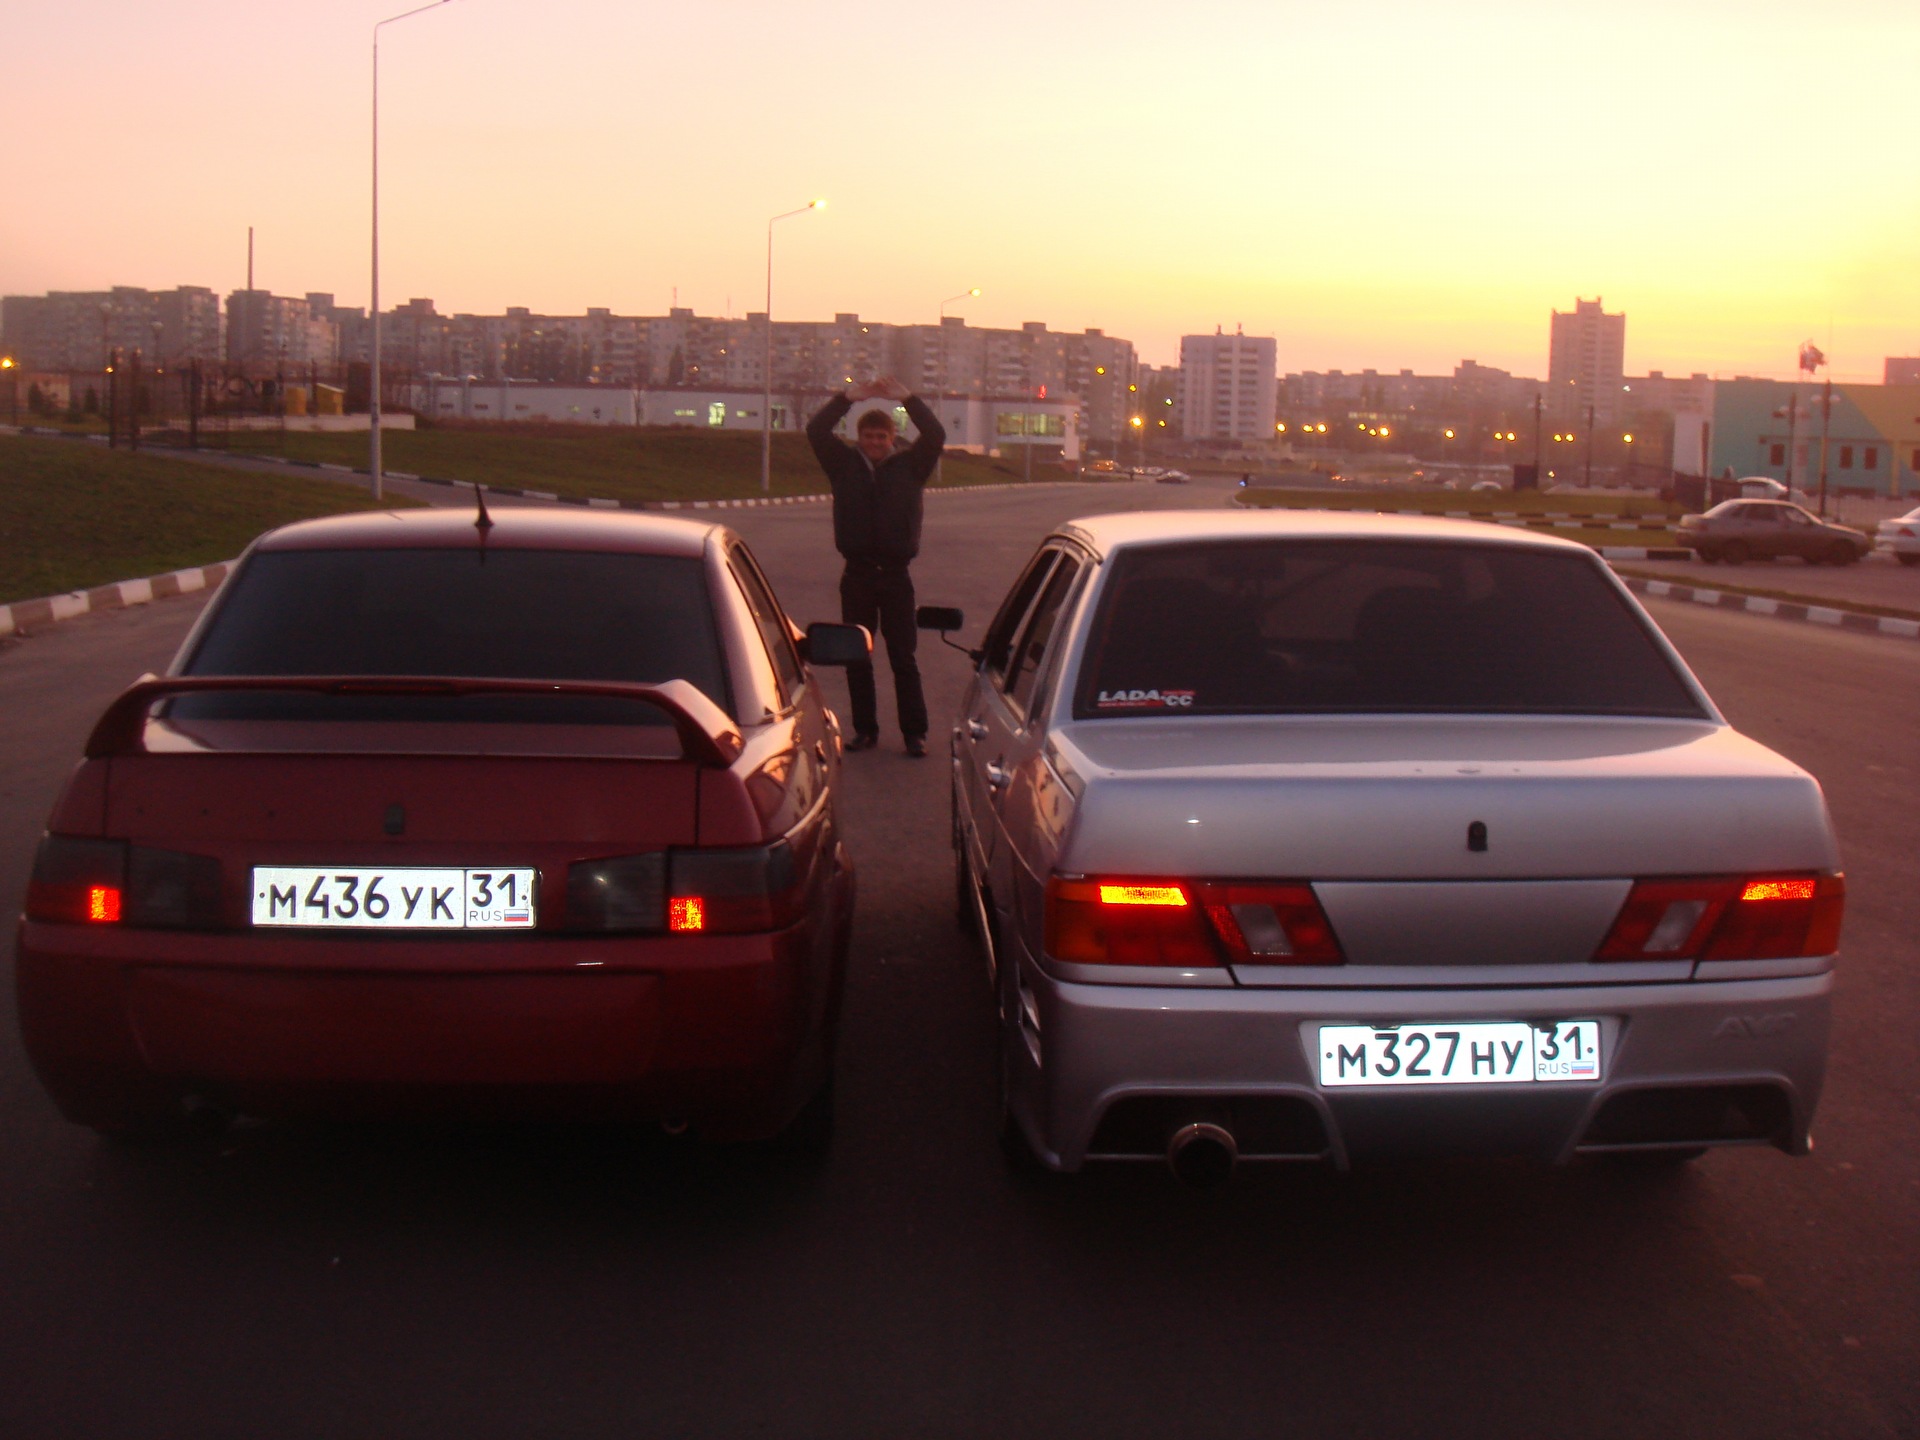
1586	363
1227	387
76	329
267	332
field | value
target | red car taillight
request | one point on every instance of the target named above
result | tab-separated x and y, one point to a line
78	881
109	882
1185	924
713	892
732	892
1759	917
1271	924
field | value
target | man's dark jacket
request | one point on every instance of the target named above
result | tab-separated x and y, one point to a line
876	508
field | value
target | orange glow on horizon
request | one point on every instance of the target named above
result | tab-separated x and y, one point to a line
556	204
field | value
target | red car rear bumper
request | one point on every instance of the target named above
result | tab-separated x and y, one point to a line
729	1033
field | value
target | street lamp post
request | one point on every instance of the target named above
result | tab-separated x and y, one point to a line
766	356
1826	426
1588	483
373	378
946	378
1536	439
963	295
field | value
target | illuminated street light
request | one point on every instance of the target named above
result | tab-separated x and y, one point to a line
373	387
963	295
766	358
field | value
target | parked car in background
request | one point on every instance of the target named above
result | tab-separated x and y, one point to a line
1740	530
1765	487
442	815
1900	537
1172	477
1312	836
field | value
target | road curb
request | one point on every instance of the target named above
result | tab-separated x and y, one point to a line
1829	615
22	615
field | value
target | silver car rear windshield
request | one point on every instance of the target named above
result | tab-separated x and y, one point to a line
1281	627
516	614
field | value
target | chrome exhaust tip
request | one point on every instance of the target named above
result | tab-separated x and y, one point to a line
1202	1155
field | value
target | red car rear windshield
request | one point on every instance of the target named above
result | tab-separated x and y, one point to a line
1345	627
517	614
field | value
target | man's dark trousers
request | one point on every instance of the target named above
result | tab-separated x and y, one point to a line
879	595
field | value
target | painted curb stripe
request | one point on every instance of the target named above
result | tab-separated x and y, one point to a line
1780	609
48	609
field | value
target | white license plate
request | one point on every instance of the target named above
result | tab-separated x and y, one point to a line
361	898
1460	1053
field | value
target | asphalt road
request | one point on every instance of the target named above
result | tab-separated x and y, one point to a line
300	1282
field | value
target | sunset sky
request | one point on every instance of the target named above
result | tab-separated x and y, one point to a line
1393	184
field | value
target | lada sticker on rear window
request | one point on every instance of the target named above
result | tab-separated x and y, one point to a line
1145	699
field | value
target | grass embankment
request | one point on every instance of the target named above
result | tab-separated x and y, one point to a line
74	515
601	462
1485	503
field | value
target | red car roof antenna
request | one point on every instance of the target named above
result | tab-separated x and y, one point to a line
482	522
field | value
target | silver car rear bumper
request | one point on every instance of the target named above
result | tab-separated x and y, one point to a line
1106	1068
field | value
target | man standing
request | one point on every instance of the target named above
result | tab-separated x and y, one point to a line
876	528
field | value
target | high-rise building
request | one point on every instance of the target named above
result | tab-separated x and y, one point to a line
1586	363
1227	385
266	332
75	329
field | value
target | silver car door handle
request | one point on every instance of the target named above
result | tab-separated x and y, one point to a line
977	730
999	777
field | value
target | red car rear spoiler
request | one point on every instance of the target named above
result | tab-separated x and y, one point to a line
707	735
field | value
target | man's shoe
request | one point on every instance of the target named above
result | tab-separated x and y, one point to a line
862	742
917	746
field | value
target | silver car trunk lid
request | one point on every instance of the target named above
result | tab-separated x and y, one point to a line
1454	843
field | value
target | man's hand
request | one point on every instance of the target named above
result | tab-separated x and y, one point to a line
868	390
888	388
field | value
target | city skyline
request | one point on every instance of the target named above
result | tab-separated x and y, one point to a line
1397	191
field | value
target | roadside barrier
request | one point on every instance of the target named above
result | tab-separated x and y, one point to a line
23	614
1780	609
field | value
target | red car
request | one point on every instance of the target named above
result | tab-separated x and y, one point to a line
441	815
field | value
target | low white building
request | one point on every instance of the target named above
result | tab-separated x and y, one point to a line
979	424
442	397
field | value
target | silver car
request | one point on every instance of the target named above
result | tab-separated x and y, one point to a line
1316	836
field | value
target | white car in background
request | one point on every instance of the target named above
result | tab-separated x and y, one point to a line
1900	537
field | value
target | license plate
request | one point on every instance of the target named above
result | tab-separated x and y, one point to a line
1453	1053
380	899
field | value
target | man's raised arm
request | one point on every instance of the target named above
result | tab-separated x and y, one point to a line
827	446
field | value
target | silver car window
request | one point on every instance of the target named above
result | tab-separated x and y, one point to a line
1039	632
1006	624
1358	627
